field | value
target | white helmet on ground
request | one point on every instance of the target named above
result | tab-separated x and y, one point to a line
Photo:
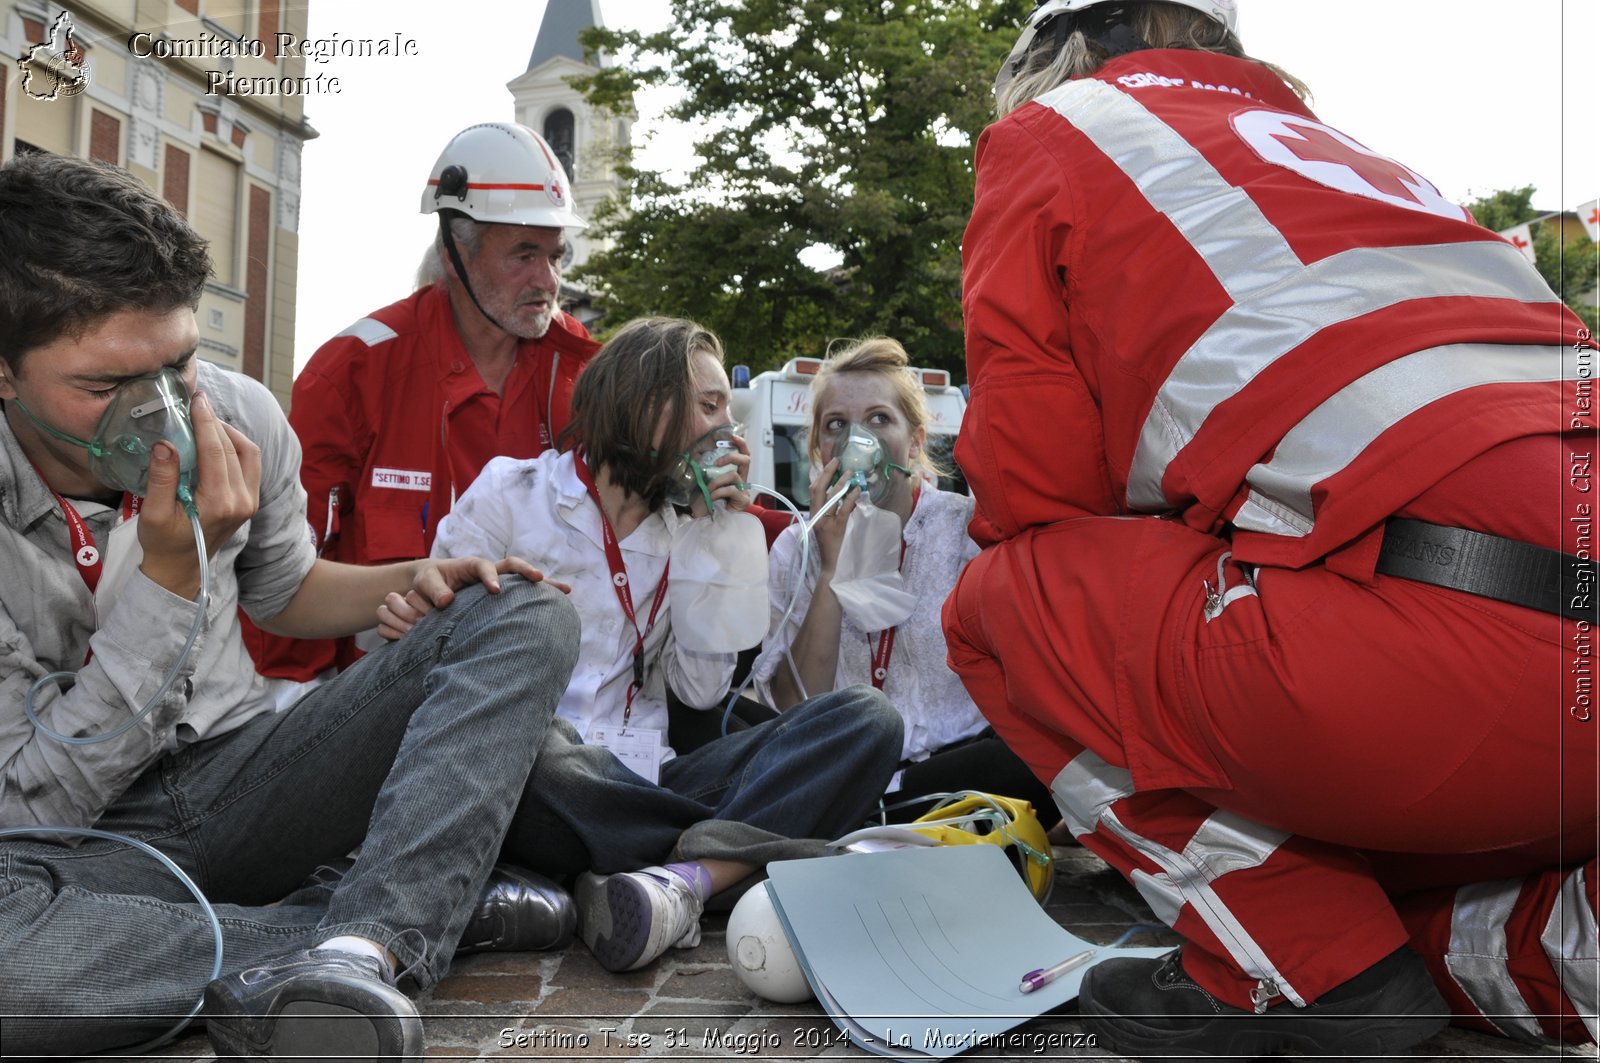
501	173
1223	11
760	953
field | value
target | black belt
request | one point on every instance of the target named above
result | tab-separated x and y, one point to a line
1503	569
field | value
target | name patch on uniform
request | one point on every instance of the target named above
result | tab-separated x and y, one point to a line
402	479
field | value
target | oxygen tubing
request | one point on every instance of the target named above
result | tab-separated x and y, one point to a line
188	884
201	601
805	559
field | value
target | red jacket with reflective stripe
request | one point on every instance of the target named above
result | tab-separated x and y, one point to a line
395	422
1184	294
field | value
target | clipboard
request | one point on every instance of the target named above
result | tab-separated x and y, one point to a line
918	953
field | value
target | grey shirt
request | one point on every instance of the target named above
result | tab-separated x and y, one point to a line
49	622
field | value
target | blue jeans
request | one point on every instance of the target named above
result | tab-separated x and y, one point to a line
769	792
419	753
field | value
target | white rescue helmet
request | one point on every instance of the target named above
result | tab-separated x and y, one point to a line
1223	11
504	174
760	953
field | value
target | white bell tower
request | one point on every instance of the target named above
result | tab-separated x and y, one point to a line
585	139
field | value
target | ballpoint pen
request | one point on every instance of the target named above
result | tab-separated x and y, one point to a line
1045	975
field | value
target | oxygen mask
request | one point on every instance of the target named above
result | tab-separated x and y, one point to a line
145	411
698	465
864	462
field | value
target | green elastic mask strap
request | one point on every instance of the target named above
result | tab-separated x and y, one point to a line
92	448
700	481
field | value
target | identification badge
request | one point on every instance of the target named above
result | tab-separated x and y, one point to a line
121	558
639	748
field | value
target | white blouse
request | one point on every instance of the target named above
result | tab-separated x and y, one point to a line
537	509
934	704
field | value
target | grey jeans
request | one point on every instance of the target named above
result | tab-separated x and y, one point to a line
419	753
432	754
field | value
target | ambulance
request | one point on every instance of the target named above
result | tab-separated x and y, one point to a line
775	408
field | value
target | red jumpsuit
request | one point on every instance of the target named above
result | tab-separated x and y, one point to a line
1212	345
395	422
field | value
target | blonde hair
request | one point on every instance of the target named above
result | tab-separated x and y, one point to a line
886	358
1161	25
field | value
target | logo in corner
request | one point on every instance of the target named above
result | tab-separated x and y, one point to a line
554	191
58	67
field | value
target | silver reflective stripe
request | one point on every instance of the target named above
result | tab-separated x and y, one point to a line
1222	845
370	331
1250	336
1280	301
1164	899
1333	435
1477	956
1085	788
1088	786
1227	842
1571	940
1243	249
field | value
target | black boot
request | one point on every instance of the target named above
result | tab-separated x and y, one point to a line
1150	1006
520	911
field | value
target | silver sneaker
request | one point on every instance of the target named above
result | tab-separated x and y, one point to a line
630	919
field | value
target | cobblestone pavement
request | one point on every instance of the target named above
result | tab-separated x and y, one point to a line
689	1005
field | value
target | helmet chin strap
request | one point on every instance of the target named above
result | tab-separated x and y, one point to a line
461	269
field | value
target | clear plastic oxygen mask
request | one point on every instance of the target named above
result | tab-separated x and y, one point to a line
145	411
698	465
864	461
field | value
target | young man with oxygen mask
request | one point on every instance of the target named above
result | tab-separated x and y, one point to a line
862	604
158	819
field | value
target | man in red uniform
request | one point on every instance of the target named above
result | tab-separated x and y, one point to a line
398	413
1286	589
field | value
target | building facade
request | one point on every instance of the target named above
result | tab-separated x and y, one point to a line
203	100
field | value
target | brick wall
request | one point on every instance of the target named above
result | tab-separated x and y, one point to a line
258	295
105	137
268	25
175	178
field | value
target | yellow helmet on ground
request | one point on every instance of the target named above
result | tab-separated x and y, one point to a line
968	817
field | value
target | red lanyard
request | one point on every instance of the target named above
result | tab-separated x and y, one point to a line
619	581
885	650
85	554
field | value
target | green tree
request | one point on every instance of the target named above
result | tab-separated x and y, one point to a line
837	133
1571	269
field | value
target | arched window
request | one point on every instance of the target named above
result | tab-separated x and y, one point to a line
558	133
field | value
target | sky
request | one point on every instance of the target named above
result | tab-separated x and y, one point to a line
1476	95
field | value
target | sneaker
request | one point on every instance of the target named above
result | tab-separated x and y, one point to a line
628	920
520	911
1150	1006
321	1004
